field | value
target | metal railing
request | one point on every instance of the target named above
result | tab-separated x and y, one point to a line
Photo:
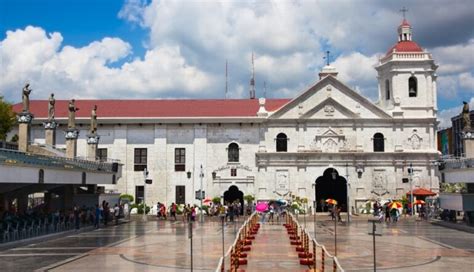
314	249
457	163
17	157
227	260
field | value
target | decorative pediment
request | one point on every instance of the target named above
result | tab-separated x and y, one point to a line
330	141
330	98
329	108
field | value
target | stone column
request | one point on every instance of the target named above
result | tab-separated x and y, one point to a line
24	122
50	132
71	142
468	140
92	142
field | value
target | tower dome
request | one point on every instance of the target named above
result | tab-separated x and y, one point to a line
405	42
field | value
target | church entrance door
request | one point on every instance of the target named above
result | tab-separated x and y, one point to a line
331	185
233	194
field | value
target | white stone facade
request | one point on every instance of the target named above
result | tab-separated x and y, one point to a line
328	125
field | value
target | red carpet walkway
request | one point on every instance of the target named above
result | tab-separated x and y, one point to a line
271	251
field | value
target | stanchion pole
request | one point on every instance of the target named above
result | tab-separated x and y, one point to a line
190	235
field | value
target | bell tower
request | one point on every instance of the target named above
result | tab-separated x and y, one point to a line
407	78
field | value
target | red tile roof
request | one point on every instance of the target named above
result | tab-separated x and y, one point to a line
156	108
405	46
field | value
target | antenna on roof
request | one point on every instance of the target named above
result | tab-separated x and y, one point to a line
264	89
252	80
226	80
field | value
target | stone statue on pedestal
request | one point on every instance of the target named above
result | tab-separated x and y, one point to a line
26	97
72	114
466	119
93	128
52	101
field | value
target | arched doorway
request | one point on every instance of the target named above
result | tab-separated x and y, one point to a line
331	185
233	194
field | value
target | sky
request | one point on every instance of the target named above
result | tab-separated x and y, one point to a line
118	49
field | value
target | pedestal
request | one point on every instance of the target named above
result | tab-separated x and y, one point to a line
50	132
468	139
92	142
24	122
71	142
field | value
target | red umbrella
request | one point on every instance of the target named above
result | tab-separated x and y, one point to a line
419	201
395	205
261	207
422	192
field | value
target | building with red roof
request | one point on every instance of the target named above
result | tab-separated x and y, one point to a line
329	135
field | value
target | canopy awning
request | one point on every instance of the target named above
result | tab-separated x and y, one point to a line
421	192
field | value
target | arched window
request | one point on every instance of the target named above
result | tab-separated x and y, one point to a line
41	176
387	89
281	143
233	152
378	142
412	87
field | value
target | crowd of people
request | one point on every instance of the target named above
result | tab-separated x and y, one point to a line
188	212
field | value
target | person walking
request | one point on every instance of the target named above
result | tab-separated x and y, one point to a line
116	213
77	213
97	216
173	210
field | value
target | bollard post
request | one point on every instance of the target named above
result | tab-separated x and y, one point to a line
314	254
190	236
323	262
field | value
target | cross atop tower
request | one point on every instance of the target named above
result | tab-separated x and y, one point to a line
327	57
404	10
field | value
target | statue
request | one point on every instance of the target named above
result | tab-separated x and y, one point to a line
52	101
466	119
72	114
26	97
93	128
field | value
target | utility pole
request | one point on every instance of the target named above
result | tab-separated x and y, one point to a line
410	173
201	175
347	193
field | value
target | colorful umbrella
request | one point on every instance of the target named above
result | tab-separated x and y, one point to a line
281	202
207	200
331	201
420	202
395	205
261	207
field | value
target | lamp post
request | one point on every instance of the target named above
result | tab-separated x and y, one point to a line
347	193
201	175
145	175
410	173
315	210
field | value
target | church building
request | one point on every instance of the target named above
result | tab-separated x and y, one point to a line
329	139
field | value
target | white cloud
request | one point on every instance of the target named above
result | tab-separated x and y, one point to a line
189	43
31	55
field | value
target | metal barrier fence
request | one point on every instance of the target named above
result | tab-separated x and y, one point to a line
309	249
235	255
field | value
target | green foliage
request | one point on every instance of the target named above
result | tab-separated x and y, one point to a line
216	200
140	208
453	187
7	118
128	197
249	199
205	208
14	138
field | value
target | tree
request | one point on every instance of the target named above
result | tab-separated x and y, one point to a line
249	199
7	118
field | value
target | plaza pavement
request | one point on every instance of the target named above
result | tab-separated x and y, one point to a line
164	246
408	245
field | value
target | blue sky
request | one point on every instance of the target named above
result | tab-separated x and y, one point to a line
166	49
